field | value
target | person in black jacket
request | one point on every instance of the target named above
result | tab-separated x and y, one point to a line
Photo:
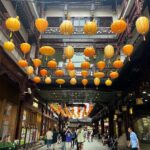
54	141
63	136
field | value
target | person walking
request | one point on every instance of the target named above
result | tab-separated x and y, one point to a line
134	142
49	137
73	136
54	141
80	138
63	138
68	139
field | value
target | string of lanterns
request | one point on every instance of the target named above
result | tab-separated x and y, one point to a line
66	28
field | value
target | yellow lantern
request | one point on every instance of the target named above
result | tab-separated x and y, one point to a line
89	51
66	27
108	82
101	65
109	51
99	74
25	47
72	73
48	80
128	49
90	28
9	46
41	24
118	26
84	73
69	52
84	82
29	70
13	24
60	81
47	50
142	25
73	81
96	81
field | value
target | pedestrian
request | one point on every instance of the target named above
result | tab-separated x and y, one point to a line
134	142
49	137
68	139
63	138
73	136
80	138
55	135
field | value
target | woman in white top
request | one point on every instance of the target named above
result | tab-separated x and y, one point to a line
80	138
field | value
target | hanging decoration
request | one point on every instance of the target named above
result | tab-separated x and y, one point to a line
60	82
118	64
41	24
9	46
13	24
66	27
72	73
25	47
29	70
43	72
114	75
47	50
68	52
99	74
142	25
108	82
109	51
22	63
36	62
52	64
118	26
59	73
48	80
70	65
128	50
84	73
85	65
101	65
73	81
89	51
84	82
96	82
90	28
37	79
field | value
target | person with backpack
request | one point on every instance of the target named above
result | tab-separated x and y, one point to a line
68	139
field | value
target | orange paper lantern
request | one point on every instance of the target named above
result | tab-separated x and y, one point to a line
90	28
117	64
52	64
89	51
59	72
99	74
43	72
73	81
9	46
70	66
118	26
41	24
60	81
37	79
101	65
22	63
96	81
114	75
48	80
69	52
36	62
128	49
109	51
84	73
25	47
85	65
47	50
72	73
30	70
84	82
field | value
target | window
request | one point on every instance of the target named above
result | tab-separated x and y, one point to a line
54	21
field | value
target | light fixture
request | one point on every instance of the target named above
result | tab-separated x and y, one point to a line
144	92
146	100
148	94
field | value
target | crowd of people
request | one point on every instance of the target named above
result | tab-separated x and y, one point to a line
69	138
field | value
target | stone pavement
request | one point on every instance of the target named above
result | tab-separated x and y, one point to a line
95	145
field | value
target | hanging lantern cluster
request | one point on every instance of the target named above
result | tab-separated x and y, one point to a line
90	28
66	27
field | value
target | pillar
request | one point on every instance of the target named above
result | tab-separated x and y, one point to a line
111	124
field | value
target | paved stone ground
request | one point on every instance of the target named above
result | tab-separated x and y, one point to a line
95	145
